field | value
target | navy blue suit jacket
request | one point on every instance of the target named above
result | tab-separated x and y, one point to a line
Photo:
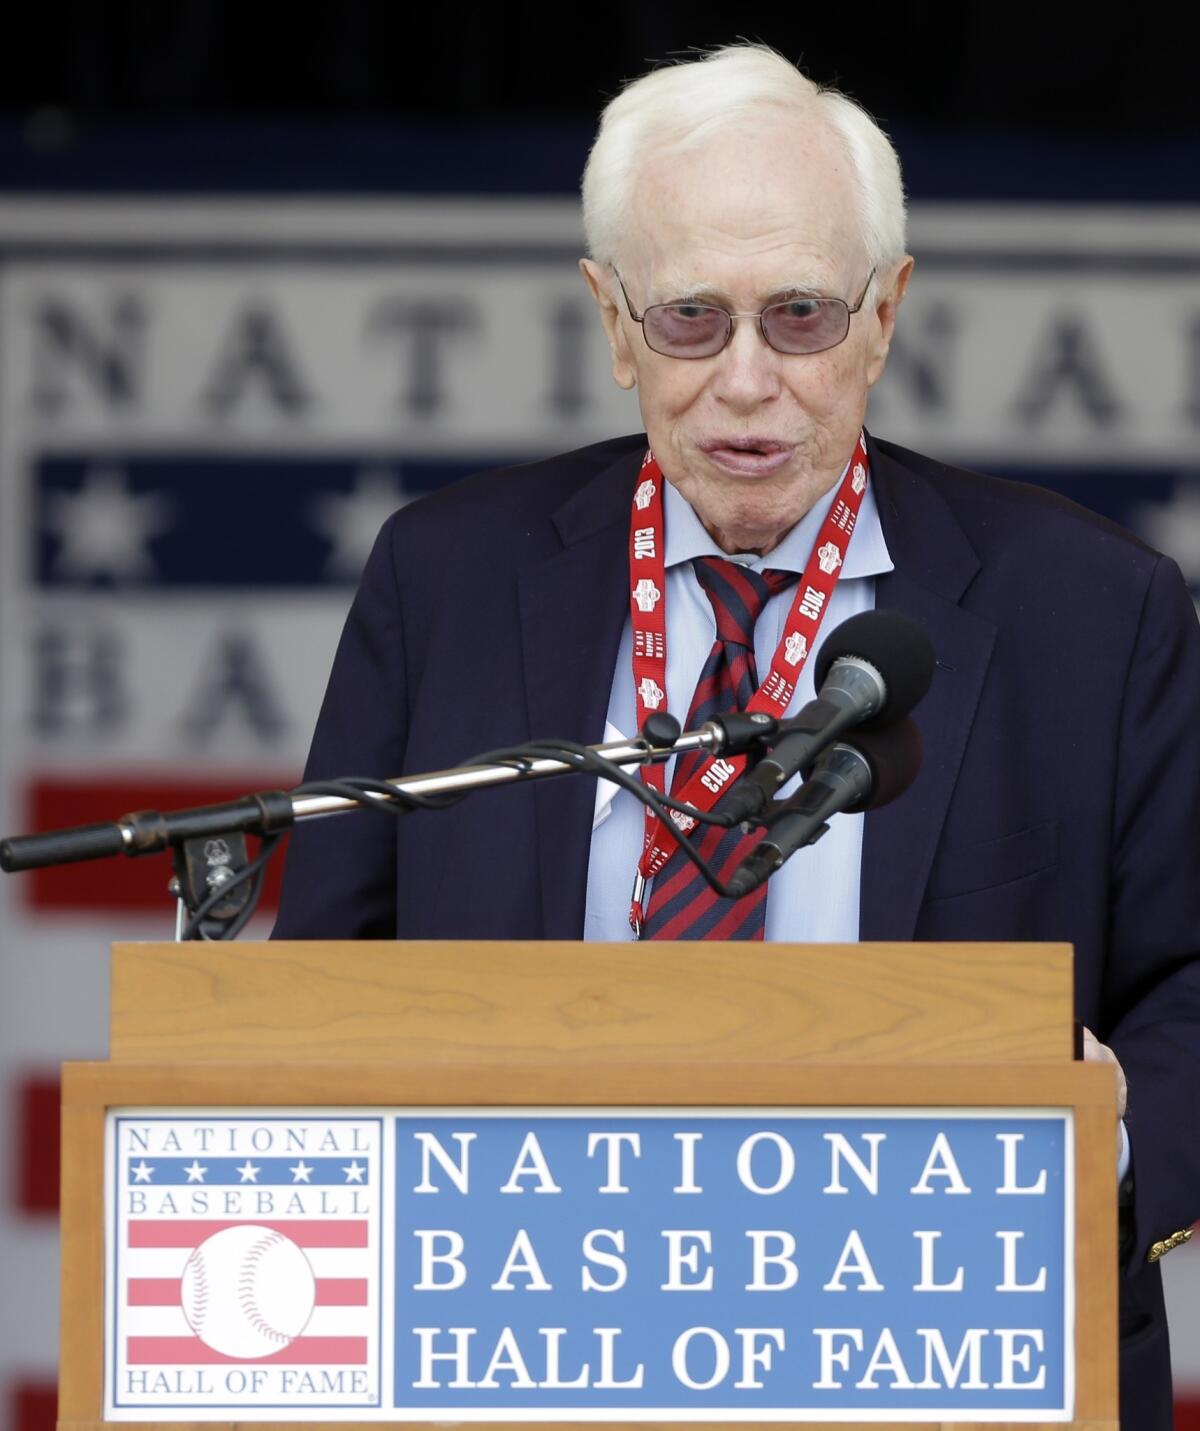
1059	798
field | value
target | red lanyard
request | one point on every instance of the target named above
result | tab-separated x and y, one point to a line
648	613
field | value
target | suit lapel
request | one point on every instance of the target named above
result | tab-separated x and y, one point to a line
934	566
573	606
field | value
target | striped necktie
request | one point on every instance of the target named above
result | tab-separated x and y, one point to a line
682	906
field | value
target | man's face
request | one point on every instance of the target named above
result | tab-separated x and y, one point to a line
751	438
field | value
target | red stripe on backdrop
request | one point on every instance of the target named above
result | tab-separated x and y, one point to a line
119	883
33	1405
37	1097
164	1292
153	1232
191	1351
1187	1409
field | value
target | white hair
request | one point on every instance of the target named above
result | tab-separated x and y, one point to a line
683	103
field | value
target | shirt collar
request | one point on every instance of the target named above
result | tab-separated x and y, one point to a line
867	555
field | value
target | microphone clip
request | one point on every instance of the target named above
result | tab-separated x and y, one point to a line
743	732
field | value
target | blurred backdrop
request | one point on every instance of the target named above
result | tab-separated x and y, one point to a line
267	272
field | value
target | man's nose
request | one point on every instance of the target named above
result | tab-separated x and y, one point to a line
748	371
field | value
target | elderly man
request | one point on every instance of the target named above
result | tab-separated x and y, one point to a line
746	240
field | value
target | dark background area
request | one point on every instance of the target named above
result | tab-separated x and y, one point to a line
985	99
1053	64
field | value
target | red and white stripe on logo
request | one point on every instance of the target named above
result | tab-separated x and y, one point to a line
157	1332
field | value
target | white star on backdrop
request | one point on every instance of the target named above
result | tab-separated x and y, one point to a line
104	529
195	1173
301	1172
1174	526
142	1173
351	520
249	1172
354	1173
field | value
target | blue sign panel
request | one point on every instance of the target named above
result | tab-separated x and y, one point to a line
771	1264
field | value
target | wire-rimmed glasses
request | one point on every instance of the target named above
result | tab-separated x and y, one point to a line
700	330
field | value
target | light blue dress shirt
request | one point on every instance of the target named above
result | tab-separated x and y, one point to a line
814	897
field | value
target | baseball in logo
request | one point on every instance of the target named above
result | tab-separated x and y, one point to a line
245	1262
248	1291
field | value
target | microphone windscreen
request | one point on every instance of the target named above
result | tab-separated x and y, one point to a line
894	754
896	646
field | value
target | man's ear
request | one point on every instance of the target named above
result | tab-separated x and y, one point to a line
884	313
623	370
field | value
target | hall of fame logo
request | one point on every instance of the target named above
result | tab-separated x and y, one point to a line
646	594
245	1263
829	558
651	693
795	648
643	495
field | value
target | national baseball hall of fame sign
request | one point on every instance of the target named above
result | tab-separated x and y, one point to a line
524	1264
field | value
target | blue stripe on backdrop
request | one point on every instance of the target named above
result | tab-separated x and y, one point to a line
218	520
49	154
287	522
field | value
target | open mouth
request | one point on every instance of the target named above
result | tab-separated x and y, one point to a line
753	456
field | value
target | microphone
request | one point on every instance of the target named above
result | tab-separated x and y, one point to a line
871	671
863	773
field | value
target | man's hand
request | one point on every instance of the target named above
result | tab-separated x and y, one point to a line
1096	1052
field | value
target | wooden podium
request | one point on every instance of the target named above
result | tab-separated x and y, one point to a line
431	1025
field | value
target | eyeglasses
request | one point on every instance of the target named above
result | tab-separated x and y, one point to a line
700	330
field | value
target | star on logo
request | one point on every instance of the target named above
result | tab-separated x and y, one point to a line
354	1173
104	529
142	1173
301	1172
195	1174
351	520
249	1172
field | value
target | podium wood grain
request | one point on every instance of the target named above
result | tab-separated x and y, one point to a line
839	1003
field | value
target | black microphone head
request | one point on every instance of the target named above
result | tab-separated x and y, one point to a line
896	646
894	754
